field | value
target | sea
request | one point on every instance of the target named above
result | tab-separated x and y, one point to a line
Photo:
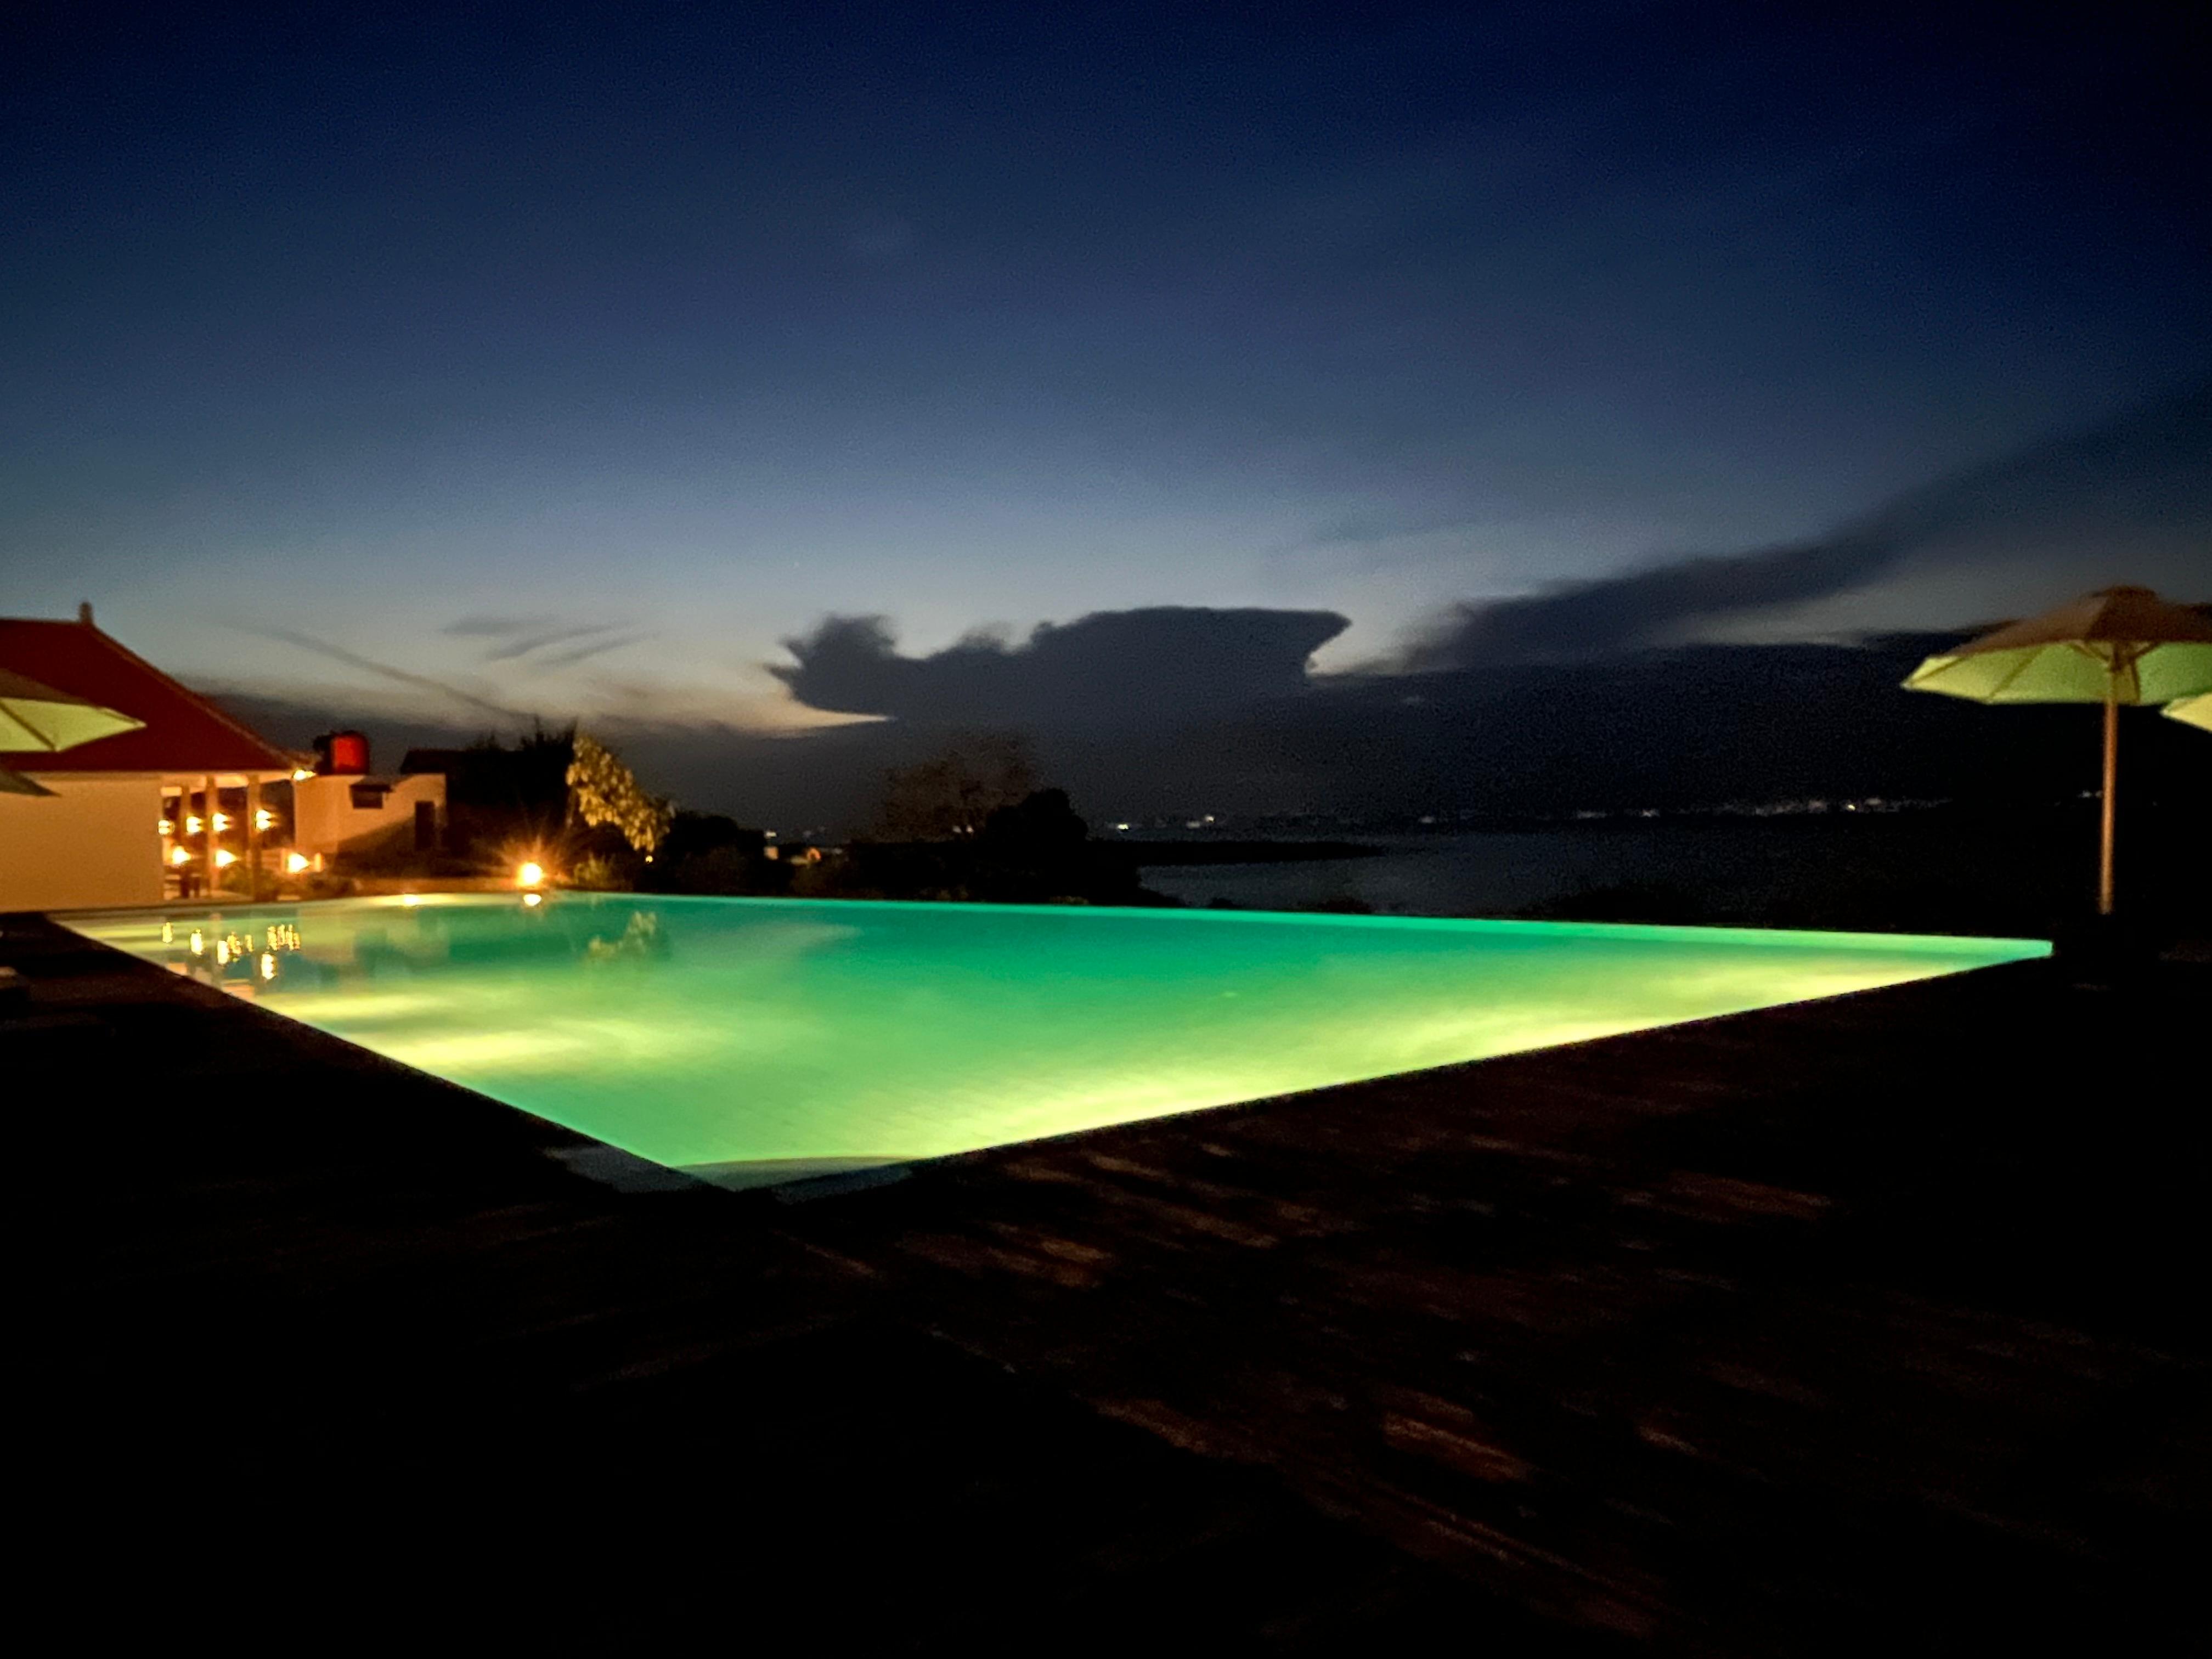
1935	871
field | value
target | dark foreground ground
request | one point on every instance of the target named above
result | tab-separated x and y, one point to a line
1871	1323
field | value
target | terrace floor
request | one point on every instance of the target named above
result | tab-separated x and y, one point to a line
1865	1321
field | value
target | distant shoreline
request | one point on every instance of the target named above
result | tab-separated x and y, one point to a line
1243	852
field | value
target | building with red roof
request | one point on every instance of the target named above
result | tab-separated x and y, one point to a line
129	819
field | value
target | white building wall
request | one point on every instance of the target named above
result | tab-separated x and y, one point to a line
95	842
326	820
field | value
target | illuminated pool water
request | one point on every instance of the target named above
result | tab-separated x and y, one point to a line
755	1038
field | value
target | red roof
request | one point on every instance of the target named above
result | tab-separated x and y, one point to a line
183	731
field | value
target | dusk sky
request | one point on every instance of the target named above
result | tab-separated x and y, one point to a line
572	361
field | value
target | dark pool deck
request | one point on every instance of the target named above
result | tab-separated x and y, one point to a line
1876	1321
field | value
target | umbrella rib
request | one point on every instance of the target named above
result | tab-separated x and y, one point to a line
24	720
2015	672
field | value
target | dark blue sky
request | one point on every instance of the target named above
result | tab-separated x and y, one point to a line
571	360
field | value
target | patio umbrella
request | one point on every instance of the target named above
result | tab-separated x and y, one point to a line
2123	645
2197	711
35	717
15	783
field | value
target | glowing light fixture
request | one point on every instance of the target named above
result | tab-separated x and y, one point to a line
533	900
192	824
221	822
180	856
294	863
263	818
530	874
198	943
267	964
224	858
222	953
411	900
167	826
300	774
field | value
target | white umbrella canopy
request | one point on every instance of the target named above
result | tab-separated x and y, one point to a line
35	718
2196	711
2122	646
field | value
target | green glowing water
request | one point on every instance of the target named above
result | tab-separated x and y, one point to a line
734	1034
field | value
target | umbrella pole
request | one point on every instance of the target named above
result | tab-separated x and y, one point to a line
2112	782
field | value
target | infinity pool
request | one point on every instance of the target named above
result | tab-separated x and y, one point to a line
757	1039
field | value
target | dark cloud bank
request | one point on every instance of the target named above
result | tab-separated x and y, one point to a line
1566	699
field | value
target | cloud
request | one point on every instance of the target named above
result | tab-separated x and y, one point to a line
1164	665
2136	479
597	648
398	676
1683	726
524	644
495	626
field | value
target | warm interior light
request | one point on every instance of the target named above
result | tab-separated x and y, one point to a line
224	858
296	862
531	874
192	824
221	822
167	827
263	818
180	856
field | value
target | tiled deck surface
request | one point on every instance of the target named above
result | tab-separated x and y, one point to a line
1870	1322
